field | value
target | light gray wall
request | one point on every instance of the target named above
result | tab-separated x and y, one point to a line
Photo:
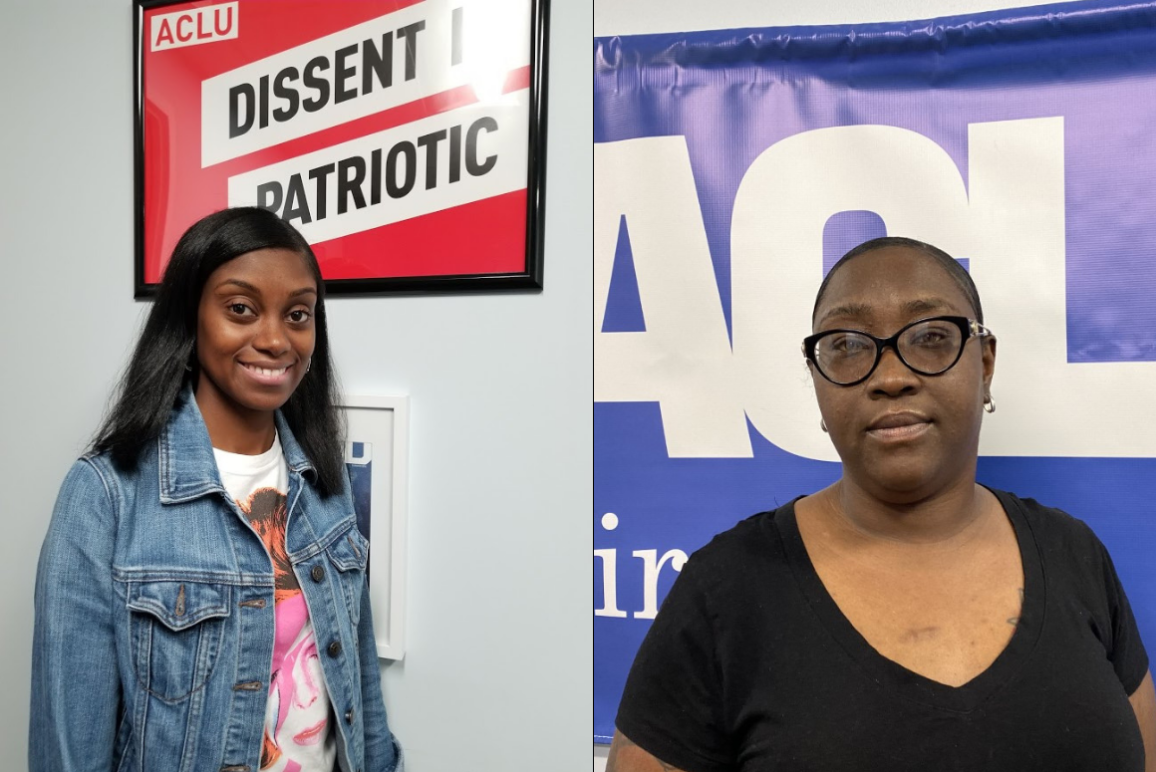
498	670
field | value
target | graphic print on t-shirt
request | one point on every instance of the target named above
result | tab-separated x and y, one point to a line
297	715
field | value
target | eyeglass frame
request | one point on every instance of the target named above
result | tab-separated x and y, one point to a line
969	328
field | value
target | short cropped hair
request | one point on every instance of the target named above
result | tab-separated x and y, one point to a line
949	263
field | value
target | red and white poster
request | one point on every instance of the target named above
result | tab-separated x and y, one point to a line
403	139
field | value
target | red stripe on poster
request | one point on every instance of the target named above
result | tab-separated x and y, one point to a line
486	237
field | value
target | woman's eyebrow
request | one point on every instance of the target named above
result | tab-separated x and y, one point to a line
251	288
242	284
922	305
919	306
847	309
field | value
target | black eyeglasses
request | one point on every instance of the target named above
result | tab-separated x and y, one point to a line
928	346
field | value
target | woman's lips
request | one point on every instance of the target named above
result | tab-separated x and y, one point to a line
899	433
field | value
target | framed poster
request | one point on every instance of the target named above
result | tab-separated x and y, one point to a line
405	139
376	454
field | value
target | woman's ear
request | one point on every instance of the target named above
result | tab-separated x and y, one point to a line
989	345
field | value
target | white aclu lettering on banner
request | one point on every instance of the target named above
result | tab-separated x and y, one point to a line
194	27
419	51
683	361
1009	220
426	166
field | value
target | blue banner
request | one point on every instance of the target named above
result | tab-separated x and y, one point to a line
732	168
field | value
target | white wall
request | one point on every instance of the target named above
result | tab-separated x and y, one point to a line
614	17
498	671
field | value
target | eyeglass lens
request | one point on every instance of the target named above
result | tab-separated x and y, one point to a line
929	347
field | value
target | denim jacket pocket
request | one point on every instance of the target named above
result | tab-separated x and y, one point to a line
349	554
176	629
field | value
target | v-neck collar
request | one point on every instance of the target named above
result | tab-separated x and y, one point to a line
889	674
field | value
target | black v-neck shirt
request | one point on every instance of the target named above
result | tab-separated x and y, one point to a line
750	665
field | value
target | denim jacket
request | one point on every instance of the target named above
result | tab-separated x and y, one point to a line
154	616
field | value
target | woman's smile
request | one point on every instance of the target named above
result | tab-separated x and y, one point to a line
267	374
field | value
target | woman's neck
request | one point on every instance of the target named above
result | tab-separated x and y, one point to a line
943	517
236	430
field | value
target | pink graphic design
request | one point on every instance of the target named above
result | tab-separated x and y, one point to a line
296	719
297	714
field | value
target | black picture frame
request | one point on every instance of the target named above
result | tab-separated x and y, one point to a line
528	278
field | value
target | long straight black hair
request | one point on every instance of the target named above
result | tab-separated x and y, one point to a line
165	358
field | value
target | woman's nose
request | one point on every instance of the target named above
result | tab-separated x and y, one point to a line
271	337
892	377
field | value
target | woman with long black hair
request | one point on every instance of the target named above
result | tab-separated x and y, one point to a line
201	601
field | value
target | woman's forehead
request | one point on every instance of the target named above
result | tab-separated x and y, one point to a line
269	267
891	282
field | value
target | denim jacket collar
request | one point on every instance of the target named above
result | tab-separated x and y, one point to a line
187	466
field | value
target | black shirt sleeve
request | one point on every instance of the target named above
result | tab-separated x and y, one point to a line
672	703
1126	650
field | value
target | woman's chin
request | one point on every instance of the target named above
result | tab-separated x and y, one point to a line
902	484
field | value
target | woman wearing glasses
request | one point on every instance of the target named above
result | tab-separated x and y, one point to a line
905	618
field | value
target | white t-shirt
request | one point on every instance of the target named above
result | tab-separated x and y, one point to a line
298	733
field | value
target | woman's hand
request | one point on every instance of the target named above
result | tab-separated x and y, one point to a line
625	756
1144	704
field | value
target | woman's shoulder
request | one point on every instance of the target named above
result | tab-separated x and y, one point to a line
102	473
89	490
91	468
753	543
1055	530
111	468
1042	515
